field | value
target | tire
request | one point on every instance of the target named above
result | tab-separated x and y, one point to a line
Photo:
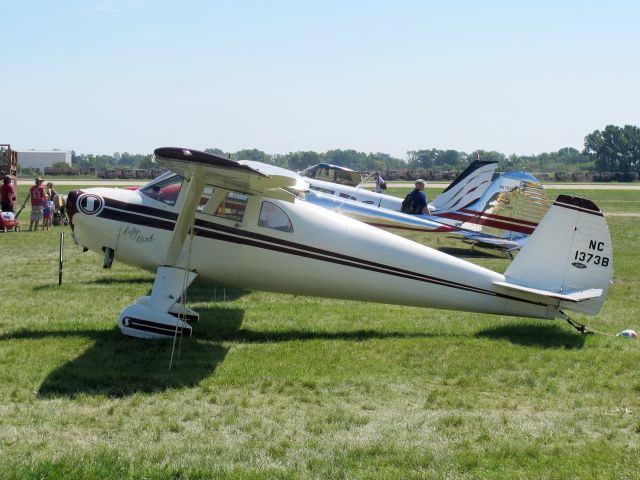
17	229
4	229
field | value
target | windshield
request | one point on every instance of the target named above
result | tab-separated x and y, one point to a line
166	190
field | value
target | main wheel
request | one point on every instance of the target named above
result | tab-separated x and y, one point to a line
4	229
17	229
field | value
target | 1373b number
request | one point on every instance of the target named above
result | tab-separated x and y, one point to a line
594	259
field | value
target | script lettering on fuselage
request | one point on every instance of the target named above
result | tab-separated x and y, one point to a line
134	233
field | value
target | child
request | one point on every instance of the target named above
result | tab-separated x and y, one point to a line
47	213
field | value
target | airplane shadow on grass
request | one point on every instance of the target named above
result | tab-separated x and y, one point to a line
551	335
119	366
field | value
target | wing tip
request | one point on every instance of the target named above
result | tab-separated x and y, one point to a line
190	154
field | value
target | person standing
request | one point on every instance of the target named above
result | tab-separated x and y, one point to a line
51	192
7	194
380	185
38	198
54	197
47	213
415	203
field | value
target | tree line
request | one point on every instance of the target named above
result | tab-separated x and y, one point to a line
614	149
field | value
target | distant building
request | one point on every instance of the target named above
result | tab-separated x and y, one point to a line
40	159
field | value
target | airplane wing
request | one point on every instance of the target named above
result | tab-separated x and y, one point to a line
204	168
242	176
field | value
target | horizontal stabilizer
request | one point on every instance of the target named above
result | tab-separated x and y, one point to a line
575	296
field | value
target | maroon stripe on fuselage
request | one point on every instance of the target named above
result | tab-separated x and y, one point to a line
443	228
225	233
487	222
499	217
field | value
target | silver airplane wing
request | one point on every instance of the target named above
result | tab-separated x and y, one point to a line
243	176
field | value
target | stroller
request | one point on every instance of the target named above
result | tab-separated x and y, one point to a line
8	221
59	218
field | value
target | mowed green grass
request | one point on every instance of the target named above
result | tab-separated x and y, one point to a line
281	386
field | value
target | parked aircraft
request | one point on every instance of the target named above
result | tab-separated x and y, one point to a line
489	215
492	217
245	224
344	183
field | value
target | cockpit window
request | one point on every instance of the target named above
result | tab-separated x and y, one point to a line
232	206
348	178
165	191
333	174
272	216
205	199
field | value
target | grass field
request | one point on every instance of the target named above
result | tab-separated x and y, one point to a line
281	386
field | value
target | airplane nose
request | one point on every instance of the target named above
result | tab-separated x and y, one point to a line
71	207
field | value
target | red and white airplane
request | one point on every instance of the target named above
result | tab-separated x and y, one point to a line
491	213
246	224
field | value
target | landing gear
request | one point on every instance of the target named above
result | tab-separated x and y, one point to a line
579	326
142	321
160	315
108	257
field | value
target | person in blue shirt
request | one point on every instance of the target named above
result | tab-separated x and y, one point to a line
419	198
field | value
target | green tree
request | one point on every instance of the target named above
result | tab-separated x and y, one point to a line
614	149
301	160
216	151
421	158
252	154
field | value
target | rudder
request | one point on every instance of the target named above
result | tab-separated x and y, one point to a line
569	253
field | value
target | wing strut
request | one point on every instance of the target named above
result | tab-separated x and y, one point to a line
161	315
185	219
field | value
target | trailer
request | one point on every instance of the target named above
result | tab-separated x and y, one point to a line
8	161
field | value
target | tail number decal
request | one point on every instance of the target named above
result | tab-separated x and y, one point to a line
587	257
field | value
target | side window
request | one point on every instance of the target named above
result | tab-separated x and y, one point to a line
272	216
166	191
347	178
232	206
205	198
325	174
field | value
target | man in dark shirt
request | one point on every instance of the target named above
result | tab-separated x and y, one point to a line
420	205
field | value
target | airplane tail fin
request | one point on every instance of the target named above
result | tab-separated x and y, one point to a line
467	187
511	207
567	259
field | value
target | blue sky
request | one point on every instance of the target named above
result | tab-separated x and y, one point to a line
281	76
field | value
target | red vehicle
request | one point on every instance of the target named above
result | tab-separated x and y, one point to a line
8	221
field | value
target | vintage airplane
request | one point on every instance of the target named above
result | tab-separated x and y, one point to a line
494	216
346	184
245	224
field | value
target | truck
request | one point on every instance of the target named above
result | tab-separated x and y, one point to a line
8	161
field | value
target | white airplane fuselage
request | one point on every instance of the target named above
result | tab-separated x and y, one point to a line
325	254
